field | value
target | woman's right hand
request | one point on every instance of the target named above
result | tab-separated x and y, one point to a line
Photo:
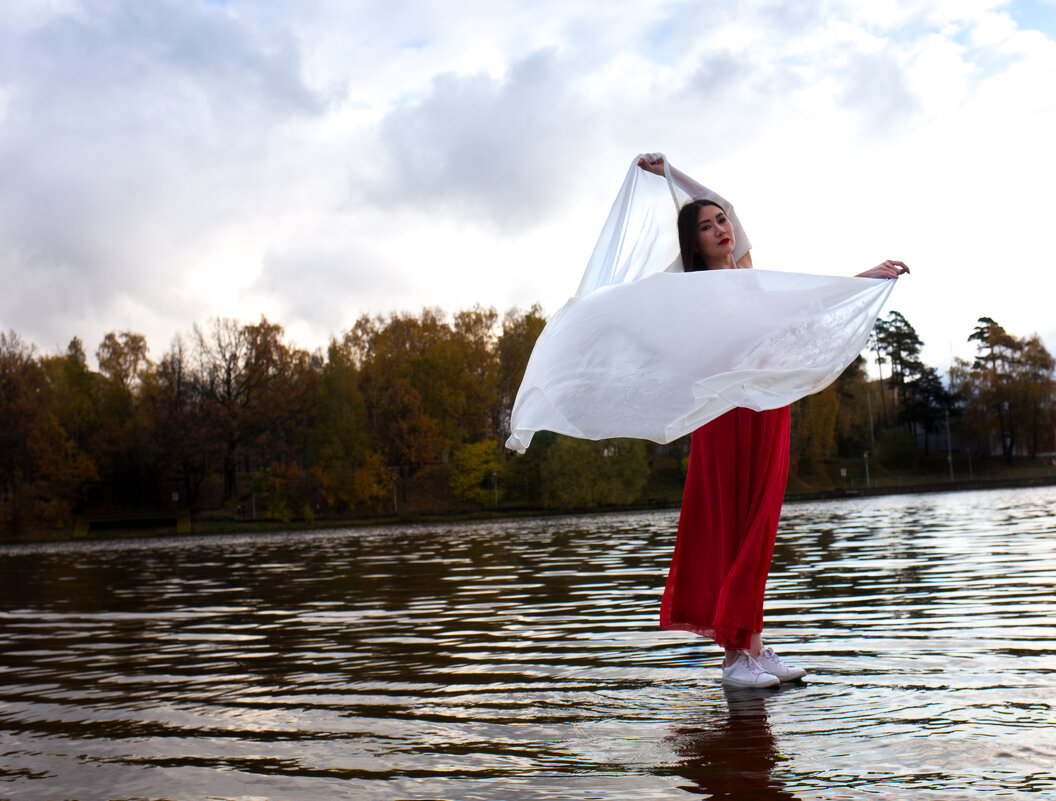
652	162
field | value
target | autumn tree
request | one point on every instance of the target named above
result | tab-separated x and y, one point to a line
1036	373
185	446
813	428
227	388
473	332
856	417
122	444
833	421
986	382
372	483
41	469
1006	389
428	385
338	439
410	436
520	330
75	395
257	394
122	356
399	426
287	381
579	473
434	367
475	471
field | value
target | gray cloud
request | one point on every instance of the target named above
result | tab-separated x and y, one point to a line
498	149
876	86
733	81
128	136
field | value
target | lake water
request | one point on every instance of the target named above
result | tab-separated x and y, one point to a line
521	660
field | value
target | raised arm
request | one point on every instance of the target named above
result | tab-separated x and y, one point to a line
655	163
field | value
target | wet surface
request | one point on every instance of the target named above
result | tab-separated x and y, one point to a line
521	660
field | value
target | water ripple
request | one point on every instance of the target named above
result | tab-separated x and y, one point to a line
521	660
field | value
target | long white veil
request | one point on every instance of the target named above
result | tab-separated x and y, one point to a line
644	350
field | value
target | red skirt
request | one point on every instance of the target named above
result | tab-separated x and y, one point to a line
738	467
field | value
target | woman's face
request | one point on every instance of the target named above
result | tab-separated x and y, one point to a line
714	237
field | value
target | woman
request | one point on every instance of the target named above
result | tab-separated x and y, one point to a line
738	466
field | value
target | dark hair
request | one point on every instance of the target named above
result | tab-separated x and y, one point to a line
687	233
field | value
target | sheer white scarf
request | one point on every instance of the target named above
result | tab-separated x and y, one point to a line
645	350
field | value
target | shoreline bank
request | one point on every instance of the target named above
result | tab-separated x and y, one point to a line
215	526
956	485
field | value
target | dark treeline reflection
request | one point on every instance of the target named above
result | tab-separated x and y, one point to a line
409	413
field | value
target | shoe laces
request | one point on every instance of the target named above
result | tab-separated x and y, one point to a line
768	652
753	666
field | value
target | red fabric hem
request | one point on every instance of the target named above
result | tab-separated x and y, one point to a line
735	486
731	639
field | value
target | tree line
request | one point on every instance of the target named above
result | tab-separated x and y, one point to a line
235	421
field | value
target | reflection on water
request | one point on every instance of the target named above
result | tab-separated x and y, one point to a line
521	660
733	756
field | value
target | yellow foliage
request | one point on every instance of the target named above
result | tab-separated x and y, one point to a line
814	427
371	483
579	473
476	468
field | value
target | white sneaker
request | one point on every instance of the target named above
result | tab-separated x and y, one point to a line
746	672
772	663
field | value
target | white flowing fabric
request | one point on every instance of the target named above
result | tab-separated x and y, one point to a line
644	351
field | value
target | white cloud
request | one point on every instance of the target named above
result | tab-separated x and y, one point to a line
167	162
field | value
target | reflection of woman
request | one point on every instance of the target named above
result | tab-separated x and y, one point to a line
734	757
738	466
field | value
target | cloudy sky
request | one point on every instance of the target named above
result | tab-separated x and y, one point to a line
169	161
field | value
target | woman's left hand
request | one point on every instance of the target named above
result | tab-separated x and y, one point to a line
889	269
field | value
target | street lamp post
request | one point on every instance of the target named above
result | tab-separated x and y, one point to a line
949	448
394	472
869	404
